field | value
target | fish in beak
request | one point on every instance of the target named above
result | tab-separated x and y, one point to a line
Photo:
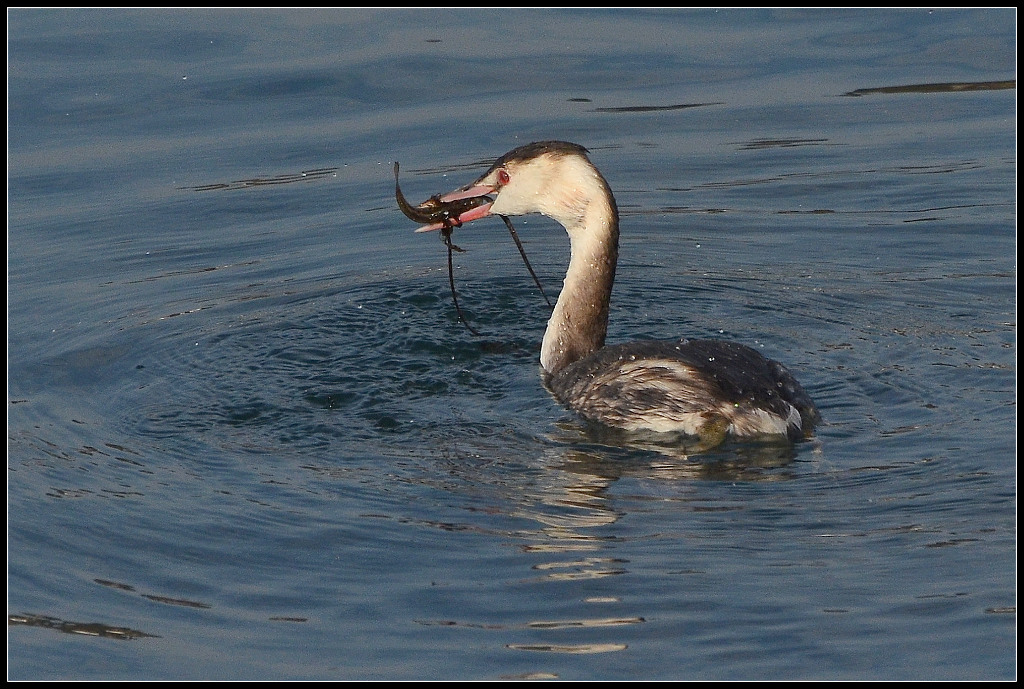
446	210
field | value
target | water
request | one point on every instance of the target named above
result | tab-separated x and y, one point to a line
249	439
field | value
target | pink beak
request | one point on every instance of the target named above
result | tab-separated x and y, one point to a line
470	215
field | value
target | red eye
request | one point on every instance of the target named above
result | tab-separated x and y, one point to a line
503	177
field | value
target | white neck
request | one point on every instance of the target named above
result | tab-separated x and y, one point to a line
579	322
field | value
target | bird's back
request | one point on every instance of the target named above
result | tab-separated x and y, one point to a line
704	388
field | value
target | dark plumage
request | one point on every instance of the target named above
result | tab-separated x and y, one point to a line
704	388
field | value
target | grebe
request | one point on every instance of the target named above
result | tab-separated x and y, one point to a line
708	389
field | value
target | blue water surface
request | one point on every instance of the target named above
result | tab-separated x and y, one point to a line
248	437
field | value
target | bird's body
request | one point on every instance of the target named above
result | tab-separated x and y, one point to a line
709	389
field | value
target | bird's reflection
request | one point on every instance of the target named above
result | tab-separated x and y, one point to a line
567	485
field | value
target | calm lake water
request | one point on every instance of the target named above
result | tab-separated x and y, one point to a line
248	437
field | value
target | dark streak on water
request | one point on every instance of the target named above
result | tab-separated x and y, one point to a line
938	88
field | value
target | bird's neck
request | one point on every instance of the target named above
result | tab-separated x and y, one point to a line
579	322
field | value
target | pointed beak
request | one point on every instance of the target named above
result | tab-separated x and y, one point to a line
468	192
472	197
